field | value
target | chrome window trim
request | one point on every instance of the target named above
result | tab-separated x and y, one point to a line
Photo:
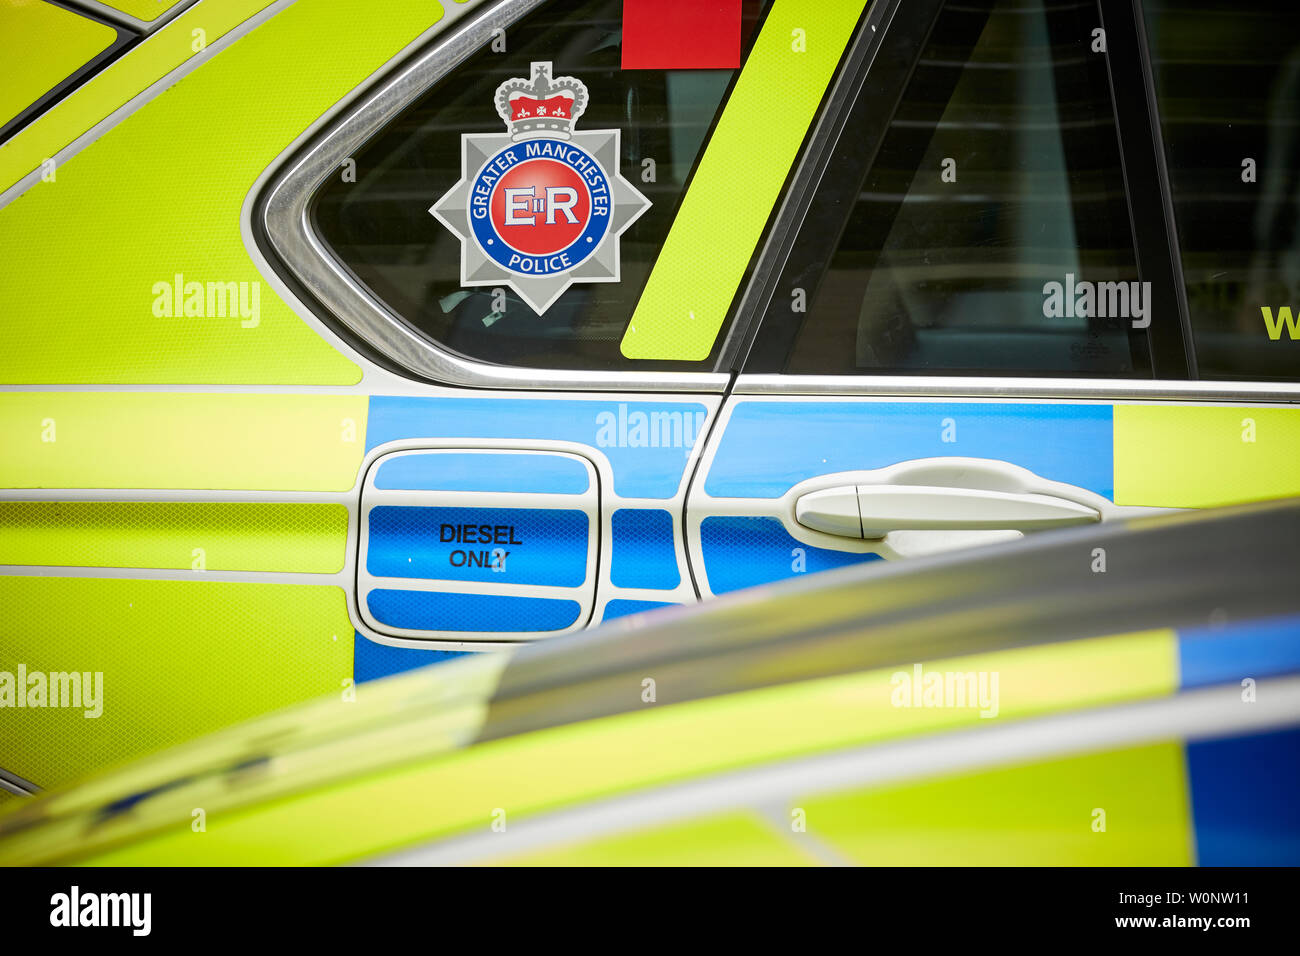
300	172
1100	389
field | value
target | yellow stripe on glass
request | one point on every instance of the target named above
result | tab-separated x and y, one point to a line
189	535
189	440
622	754
739	178
1198	456
41	45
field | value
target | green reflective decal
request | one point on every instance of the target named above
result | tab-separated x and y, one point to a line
141	665
185	535
1201	456
117	83
131	267
1119	808
41	45
187	440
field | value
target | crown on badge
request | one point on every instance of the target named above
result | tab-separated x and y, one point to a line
543	105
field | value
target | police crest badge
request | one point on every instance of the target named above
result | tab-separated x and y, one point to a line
541	206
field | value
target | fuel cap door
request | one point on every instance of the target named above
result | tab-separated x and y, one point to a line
478	544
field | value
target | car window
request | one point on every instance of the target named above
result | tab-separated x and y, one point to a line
381	228
1227	79
989	233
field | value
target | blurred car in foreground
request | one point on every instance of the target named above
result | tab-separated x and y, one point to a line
1121	694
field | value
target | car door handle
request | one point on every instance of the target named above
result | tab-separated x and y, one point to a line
872	511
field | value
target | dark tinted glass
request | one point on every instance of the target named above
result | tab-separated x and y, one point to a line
1227	76
998	175
381	229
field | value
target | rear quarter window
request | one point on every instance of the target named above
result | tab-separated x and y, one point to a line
380	228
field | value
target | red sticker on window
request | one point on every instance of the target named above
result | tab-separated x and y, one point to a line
681	34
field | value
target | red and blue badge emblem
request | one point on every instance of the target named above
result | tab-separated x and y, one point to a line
542	206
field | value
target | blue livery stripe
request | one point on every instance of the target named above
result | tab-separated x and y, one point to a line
371	661
621	608
768	447
1231	652
643	555
501	473
1243	792
647	443
741	552
483	613
497	545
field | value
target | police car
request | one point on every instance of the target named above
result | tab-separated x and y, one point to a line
337	342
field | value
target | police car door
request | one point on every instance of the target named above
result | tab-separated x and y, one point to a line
970	318
490	228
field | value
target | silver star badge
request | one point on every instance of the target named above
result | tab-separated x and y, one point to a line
541	206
